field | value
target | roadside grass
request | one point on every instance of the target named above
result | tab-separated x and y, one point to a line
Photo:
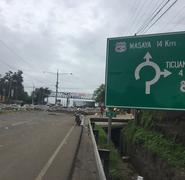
117	169
167	149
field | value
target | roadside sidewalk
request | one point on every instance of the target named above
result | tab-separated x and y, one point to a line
85	165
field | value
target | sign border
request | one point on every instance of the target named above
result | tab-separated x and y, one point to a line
106	69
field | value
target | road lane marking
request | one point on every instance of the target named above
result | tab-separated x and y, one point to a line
51	159
19	123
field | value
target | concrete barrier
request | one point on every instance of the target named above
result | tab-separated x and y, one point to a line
101	173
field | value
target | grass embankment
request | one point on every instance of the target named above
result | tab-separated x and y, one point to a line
172	153
117	169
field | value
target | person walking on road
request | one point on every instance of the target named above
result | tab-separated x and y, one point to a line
101	111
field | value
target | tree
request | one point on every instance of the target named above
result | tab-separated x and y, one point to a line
11	86
99	94
40	94
17	86
27	99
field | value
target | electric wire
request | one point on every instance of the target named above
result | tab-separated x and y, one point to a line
146	30
146	10
6	64
139	6
19	57
13	68
16	54
176	19
135	4
153	15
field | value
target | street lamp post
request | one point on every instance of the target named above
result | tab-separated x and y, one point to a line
9	89
10	92
56	95
57	82
6	89
4	95
33	94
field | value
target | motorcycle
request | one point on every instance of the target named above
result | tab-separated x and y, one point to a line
77	119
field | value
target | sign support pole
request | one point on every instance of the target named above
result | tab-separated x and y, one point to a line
109	130
135	111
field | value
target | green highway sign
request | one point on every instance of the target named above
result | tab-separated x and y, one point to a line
110	114
146	71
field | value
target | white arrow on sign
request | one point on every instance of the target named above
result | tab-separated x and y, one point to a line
158	72
166	73
147	57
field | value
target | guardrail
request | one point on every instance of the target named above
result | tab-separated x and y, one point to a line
96	119
101	173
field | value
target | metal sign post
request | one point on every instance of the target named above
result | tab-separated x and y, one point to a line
109	130
146	72
110	115
135	114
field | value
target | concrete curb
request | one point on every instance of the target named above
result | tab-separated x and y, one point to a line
75	156
101	173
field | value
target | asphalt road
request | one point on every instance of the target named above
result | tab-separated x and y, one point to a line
37	145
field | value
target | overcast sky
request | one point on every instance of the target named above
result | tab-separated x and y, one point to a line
70	35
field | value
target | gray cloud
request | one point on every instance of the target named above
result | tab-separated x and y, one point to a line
71	36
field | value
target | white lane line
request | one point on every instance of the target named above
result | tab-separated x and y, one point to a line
19	123
51	159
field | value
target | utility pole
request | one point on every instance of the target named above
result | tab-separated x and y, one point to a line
56	95
9	89
109	130
57	82
33	94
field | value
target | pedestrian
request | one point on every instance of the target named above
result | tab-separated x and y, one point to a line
101	110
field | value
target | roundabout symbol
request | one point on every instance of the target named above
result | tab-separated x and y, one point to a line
158	72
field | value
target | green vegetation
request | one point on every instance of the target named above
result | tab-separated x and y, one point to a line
118	169
11	86
40	94
99	94
172	153
148	118
12	89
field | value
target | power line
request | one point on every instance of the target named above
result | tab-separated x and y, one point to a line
135	7
19	57
144	13
16	69
161	16
16	54
137	11
176	19
22	59
10	66
153	15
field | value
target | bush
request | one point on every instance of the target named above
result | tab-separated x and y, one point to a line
167	149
